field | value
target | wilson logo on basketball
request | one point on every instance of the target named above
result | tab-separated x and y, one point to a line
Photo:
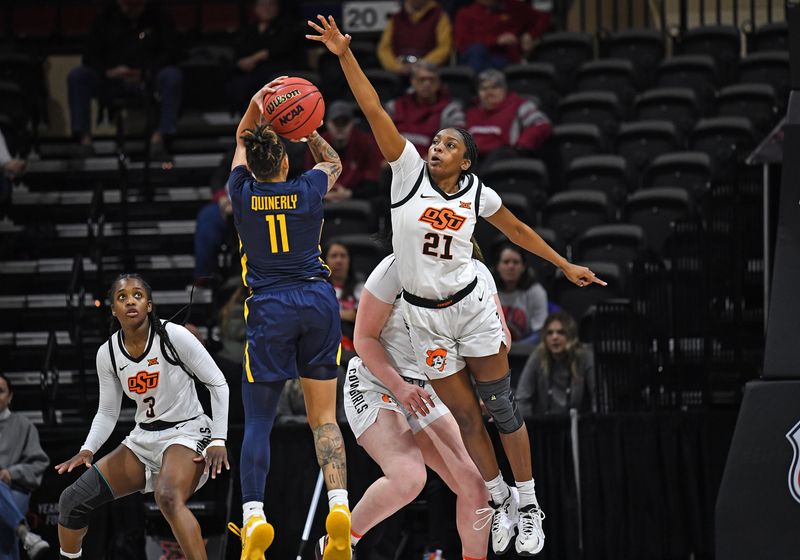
279	100
142	382
436	358
442	218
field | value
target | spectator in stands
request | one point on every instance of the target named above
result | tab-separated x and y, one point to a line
524	300
421	30
268	47
131	49
426	109
12	168
504	124
22	464
348	286
495	33
361	161
559	375
213	232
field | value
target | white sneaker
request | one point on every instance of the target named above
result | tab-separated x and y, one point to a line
504	522
35	546
530	538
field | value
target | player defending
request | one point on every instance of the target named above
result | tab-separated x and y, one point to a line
174	445
292	316
435	205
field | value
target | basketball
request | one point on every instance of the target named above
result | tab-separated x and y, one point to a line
296	109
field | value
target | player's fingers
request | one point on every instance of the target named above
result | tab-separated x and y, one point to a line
198	459
332	23
596	280
316	28
429	400
325	24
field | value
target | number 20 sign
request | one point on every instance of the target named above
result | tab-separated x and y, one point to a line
368	16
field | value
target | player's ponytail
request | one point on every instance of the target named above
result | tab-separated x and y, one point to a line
264	151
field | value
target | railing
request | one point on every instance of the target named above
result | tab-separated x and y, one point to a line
671	16
75	307
49	380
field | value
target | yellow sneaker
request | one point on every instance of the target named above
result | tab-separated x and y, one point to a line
338	526
256	537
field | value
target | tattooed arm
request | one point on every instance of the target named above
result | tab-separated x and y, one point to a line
326	157
329	444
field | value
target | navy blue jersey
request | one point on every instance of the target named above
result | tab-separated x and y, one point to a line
279	227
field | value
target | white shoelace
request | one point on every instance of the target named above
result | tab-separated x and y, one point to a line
489	516
528	524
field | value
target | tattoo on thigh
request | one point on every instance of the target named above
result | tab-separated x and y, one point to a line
330	455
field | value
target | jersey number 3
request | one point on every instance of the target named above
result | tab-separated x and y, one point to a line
431	246
273	233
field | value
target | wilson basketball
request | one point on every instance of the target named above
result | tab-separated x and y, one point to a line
296	109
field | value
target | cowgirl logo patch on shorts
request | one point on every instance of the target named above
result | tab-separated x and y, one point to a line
437	358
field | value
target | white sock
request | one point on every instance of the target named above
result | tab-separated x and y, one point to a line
249	509
527	493
498	489
337	496
71	554
354	538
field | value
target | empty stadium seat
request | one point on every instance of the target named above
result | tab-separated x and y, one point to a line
675	104
460	82
386	83
615	75
640	142
726	140
755	102
578	300
605	173
571	213
618	243
365	251
566	51
643	47
601	108
348	217
769	37
697	72
525	176
655	210
571	141
768	67
535	79
688	170
721	42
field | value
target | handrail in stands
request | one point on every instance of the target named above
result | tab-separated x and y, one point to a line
76	293
49	379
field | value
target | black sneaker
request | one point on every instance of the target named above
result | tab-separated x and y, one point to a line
319	548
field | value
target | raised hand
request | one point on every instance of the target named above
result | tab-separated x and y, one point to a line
258	98
580	275
84	457
329	35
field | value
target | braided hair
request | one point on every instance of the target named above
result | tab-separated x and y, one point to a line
167	348
264	151
470	148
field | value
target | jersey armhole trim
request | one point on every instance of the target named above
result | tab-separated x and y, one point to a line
111	354
413	191
478	199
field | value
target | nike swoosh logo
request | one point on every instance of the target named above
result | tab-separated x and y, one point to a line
123	367
427	196
480	297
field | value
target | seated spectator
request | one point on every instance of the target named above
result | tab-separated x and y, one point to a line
12	168
265	49
421	30
559	374
22	464
495	33
361	160
524	300
348	286
504	124
213	233
131	50
426	109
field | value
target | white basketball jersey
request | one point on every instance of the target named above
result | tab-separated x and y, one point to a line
384	284
432	229
161	390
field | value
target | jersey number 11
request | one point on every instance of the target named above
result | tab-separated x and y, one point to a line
273	233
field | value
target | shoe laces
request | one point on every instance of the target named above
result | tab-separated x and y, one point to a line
233	528
492	514
487	513
530	521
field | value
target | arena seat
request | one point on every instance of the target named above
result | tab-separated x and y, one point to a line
689	170
600	108
643	47
348	217
525	176
571	141
768	67
571	213
616	75
677	105
697	72
460	82
639	142
655	210
769	37
721	42
606	173
566	51
578	300
618	243
726	140
537	80
755	102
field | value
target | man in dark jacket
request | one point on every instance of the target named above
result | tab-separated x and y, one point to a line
131	49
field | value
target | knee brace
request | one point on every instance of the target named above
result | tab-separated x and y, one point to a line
86	494
499	401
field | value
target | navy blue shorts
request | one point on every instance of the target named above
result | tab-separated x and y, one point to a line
293	332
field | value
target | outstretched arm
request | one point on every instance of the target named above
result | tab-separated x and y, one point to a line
326	157
521	234
251	119
389	140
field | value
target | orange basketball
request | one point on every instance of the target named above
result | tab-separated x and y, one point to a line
296	109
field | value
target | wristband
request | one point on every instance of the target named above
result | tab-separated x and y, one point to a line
214	443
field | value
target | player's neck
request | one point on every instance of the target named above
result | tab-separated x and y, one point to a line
135	337
449	184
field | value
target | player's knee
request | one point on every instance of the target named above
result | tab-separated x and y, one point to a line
499	401
168	499
410	480
83	496
468	419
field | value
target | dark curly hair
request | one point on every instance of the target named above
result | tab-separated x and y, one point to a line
264	150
